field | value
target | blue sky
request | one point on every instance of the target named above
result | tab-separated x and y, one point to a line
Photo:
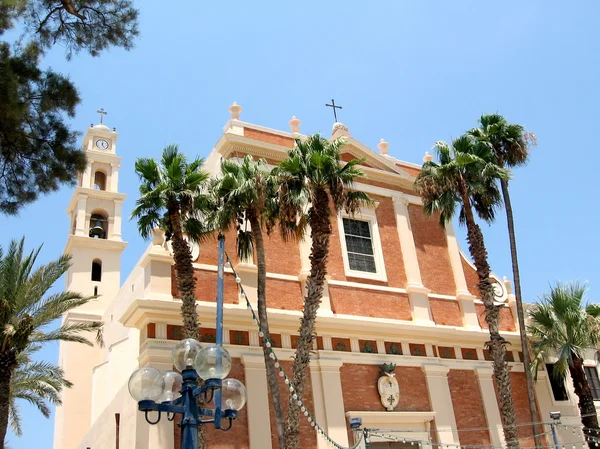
410	72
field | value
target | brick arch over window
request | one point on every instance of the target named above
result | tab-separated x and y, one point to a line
97	270
99	180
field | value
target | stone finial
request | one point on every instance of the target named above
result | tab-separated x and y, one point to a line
507	285
295	124
428	157
234	111
339	130
158	236
383	146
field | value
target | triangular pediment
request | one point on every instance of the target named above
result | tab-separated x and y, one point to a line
355	149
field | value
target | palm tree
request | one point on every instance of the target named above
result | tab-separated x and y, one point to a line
510	146
563	325
465	176
245	194
26	310
173	196
313	176
39	383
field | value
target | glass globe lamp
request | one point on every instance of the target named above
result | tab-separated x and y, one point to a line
146	384
185	353
173	383
233	394
213	362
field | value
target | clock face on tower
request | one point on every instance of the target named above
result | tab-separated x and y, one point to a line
102	144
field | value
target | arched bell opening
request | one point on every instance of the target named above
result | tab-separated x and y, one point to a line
99	225
99	180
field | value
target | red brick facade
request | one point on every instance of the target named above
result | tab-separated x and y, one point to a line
377	300
432	252
363	395
445	312
468	407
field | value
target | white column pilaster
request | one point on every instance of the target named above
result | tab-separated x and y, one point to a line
407	243
490	405
463	296
329	394
81	222
116	232
318	400
512	303
259	424
417	293
455	260
441	403
114	177
86	178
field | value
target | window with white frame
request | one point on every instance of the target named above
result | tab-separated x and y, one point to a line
591	374
361	245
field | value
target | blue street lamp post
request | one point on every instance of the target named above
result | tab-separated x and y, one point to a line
212	364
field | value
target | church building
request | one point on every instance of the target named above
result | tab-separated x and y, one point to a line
406	295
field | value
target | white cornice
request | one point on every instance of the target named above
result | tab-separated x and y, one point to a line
142	311
370	418
88	242
102	156
93	193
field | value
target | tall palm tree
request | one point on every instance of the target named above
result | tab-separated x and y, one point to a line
510	145
563	325
37	382
466	176
174	197
315	177
26	309
245	192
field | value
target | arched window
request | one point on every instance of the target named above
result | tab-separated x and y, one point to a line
98	224
97	270
99	180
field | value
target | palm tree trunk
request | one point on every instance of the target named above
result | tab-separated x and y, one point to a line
186	286
587	409
8	363
272	374
521	313
497	343
320	224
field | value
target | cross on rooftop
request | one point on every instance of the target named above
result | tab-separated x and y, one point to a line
334	107
102	113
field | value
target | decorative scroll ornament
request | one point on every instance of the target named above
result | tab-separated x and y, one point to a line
388	387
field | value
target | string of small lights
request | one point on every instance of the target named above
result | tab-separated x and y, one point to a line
387	434
292	390
474	429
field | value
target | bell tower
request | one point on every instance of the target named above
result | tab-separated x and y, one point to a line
95	246
95	213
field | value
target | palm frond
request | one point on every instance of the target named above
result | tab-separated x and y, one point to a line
562	325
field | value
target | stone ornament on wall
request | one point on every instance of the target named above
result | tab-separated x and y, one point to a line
388	387
194	248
